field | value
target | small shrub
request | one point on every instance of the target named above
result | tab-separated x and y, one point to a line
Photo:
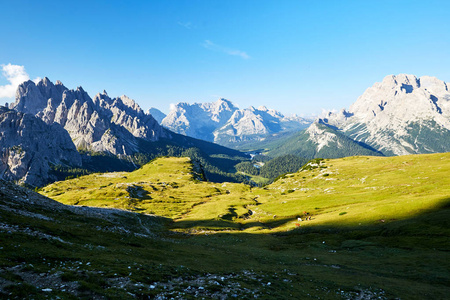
342	213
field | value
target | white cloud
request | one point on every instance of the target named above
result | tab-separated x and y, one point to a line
212	46
187	25
15	75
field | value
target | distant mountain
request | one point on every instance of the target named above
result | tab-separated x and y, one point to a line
321	140
29	147
401	115
224	123
199	120
156	114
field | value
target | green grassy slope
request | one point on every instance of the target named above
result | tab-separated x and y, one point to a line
341	192
379	229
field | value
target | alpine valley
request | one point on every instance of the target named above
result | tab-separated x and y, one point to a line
51	132
401	115
124	208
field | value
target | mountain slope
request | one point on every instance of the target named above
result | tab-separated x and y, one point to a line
401	115
321	140
166	185
29	147
156	114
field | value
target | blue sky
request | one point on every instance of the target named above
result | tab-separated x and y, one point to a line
295	56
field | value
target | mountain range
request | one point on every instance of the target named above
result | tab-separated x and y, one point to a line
101	124
224	123
51	127
403	114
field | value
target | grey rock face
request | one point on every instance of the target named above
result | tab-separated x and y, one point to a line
101	124
222	122
401	115
29	145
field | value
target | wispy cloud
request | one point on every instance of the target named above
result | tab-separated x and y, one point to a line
15	74
326	112
214	47
187	25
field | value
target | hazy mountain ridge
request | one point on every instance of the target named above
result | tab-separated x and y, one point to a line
224	123
156	114
199	120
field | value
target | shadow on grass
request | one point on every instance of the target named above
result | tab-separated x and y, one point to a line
429	229
227	223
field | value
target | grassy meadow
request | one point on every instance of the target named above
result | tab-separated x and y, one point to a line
379	227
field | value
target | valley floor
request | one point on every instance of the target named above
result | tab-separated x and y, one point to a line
378	229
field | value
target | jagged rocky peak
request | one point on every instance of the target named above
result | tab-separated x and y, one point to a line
32	97
404	81
405	96
126	102
224	104
320	136
102	100
100	124
403	114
